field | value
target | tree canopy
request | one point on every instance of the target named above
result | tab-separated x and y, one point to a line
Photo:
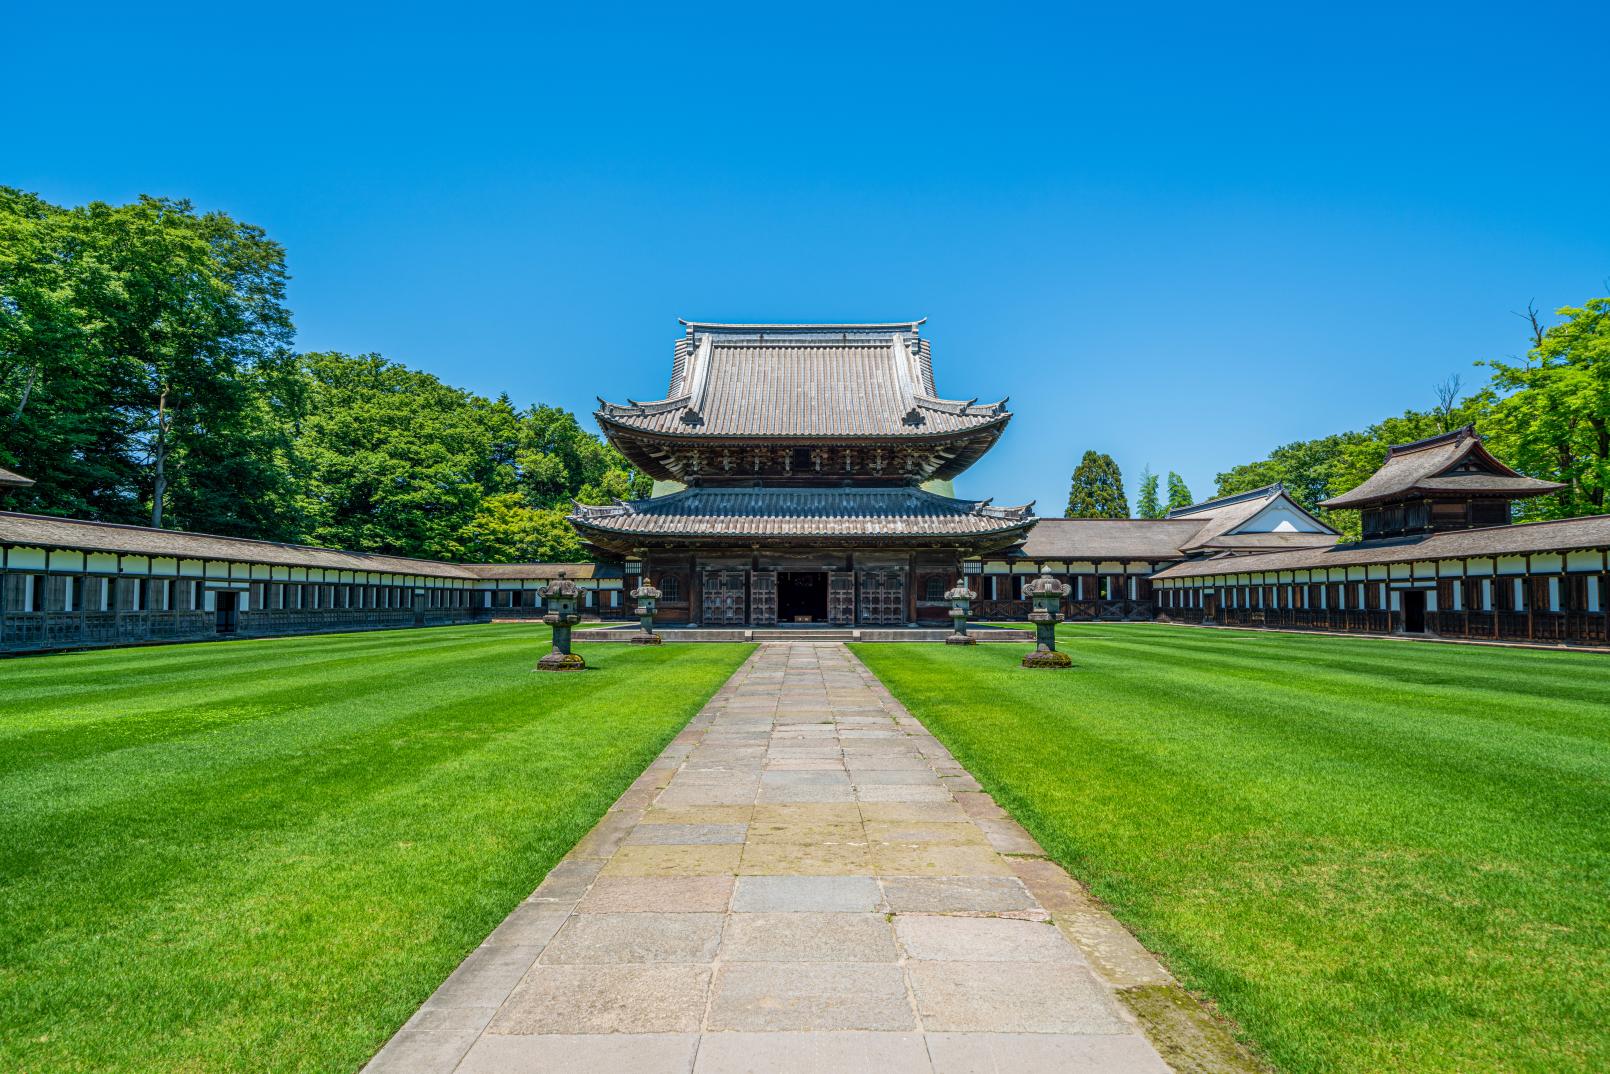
1097	490
1149	505
147	375
1179	494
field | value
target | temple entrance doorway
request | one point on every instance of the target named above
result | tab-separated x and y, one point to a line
1413	602
802	596
226	605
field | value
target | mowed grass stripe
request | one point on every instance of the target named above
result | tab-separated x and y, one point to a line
270	701
1375	855
278	890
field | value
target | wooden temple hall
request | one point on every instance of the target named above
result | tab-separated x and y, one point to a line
803	477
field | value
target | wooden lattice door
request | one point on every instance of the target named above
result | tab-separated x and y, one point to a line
883	597
763	598
724	598
841	598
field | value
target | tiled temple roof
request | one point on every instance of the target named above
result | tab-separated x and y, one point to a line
1219	518
901	513
1202	529
842	382
1455	463
1149	539
1560	535
48	531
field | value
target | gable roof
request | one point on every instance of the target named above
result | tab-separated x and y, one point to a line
1558	535
1453	463
1201	529
1222	517
819	381
11	480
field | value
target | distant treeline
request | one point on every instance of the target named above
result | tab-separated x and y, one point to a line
147	376
1546	414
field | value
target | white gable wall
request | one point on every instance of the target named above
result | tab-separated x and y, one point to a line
1281	516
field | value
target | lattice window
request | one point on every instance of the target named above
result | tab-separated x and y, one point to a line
763	598
724	598
883	597
841	598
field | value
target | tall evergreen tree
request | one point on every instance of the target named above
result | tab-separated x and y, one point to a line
1178	494
1097	490
1149	505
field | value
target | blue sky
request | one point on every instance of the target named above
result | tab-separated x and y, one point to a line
1182	236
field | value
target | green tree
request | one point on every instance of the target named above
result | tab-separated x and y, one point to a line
1555	421
394	460
61	420
1149	505
198	324
506	529
138	345
1097	490
1178	494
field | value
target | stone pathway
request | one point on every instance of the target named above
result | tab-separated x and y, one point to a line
805	880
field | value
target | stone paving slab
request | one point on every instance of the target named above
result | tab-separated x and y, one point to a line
805	880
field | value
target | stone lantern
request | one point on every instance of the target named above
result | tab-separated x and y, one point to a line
647	599
1047	594
562	596
961	604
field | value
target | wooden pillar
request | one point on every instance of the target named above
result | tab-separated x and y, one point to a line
1531	597
695	591
911	589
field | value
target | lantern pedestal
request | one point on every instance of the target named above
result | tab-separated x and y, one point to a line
1048	658
557	661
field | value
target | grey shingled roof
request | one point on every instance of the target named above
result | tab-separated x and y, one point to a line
840	382
48	531
1422	466
902	512
1562	535
10	479
519	571
1218	517
1149	539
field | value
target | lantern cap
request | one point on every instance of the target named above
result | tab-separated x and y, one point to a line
562	588
1046	585
960	592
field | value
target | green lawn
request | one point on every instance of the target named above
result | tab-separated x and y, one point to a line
263	855
1374	855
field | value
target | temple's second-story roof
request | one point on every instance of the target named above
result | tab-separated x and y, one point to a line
1454	464
821	383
